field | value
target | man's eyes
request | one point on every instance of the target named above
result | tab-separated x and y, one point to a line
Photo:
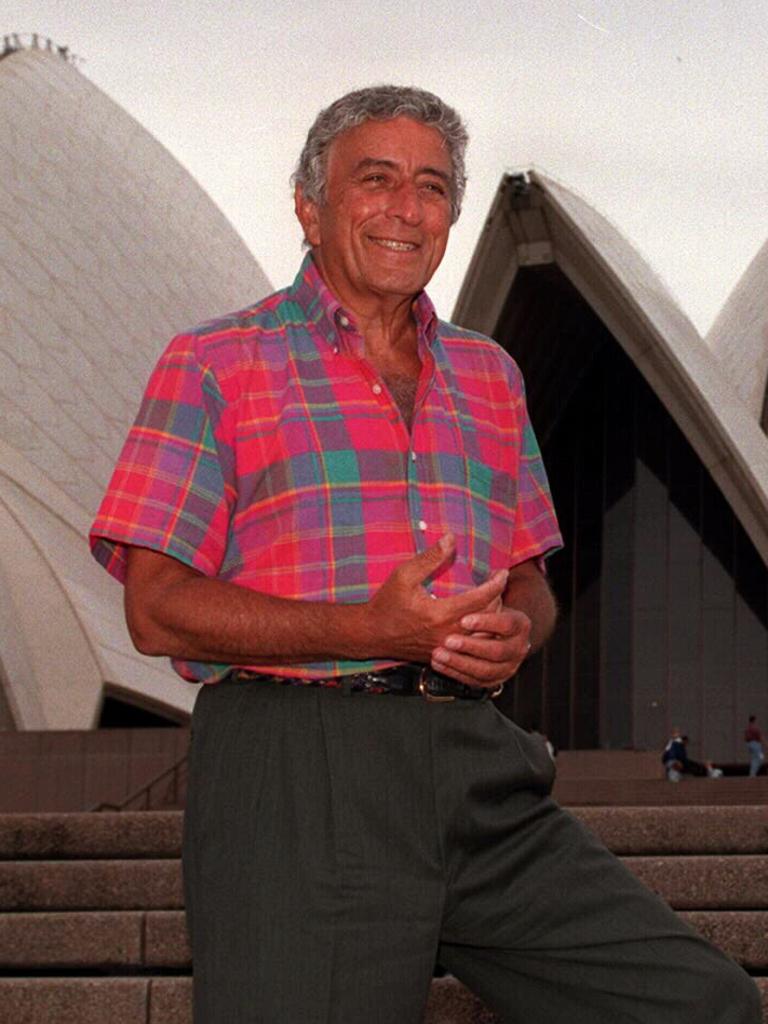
377	178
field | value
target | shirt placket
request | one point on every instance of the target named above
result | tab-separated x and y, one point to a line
406	440
424	533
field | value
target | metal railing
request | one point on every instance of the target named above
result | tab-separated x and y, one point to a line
15	41
166	790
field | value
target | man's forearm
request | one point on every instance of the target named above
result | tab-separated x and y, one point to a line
528	591
173	610
209	620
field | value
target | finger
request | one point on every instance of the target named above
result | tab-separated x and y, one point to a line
478	598
419	568
472	671
508	622
484	648
481	660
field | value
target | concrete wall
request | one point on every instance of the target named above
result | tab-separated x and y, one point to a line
74	770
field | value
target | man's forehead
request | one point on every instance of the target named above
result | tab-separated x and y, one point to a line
389	142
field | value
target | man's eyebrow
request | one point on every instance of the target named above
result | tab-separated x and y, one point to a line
369	162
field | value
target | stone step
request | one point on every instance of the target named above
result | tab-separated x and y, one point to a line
89	835
157	940
169	1001
91	885
691	830
157	834
729	791
707	882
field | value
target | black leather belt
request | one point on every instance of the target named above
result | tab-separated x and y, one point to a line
400	680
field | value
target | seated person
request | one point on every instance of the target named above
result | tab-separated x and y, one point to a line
677	763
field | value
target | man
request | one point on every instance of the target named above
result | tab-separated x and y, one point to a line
677	763
754	740
332	510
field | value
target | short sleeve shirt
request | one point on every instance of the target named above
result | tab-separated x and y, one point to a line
268	452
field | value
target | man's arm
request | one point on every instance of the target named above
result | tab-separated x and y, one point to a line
493	643
173	610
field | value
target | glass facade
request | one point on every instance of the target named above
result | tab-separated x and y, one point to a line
663	598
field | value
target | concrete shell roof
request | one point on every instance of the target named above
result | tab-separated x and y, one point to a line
644	318
107	248
739	335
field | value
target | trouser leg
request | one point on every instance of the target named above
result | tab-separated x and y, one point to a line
312	868
546	925
331	842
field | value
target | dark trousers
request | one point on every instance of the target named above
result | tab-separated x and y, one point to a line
337	845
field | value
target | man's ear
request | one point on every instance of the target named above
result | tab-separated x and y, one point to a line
307	212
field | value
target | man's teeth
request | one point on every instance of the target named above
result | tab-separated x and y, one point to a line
390	243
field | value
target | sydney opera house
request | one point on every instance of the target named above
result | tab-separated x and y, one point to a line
655	439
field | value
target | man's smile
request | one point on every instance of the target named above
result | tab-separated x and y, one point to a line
394	244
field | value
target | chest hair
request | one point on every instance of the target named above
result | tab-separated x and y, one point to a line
403	389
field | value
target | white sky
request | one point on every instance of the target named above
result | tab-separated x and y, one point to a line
656	111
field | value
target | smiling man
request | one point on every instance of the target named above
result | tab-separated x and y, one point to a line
333	512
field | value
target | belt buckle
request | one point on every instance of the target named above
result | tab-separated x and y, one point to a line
431	697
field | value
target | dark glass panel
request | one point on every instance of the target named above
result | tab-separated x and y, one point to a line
587	565
684	626
717	623
618	562
750	646
650	545
663	597
117	714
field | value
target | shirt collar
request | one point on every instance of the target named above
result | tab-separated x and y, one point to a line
323	309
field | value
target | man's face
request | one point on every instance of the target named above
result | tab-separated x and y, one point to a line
382	230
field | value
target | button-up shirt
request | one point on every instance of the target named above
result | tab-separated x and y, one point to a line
268	452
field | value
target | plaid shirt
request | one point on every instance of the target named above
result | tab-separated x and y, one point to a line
267	452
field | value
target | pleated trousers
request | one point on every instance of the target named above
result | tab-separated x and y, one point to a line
337	845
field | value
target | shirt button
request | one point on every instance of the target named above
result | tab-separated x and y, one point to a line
422	525
376	389
413	456
335	350
343	320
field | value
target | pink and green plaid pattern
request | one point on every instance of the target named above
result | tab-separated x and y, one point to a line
267	452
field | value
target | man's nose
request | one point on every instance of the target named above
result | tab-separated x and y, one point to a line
405	203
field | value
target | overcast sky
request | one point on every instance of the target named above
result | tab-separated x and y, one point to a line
655	111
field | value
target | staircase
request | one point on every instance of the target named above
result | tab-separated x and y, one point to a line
92	927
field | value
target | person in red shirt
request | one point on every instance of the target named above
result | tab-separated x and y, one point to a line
754	740
333	510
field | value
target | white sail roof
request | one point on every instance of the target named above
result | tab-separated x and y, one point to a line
107	248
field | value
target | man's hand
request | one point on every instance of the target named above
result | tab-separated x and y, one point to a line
491	648
408	624
491	644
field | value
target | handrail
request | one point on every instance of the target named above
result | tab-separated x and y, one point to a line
14	41
178	776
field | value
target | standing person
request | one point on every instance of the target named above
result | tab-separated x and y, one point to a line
332	510
754	740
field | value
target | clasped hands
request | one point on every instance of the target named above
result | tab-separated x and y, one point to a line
471	637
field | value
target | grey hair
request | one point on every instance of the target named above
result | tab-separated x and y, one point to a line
381	103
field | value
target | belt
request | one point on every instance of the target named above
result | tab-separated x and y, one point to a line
400	680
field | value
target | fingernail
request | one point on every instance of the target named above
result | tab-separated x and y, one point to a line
440	656
446	542
453	643
469	622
